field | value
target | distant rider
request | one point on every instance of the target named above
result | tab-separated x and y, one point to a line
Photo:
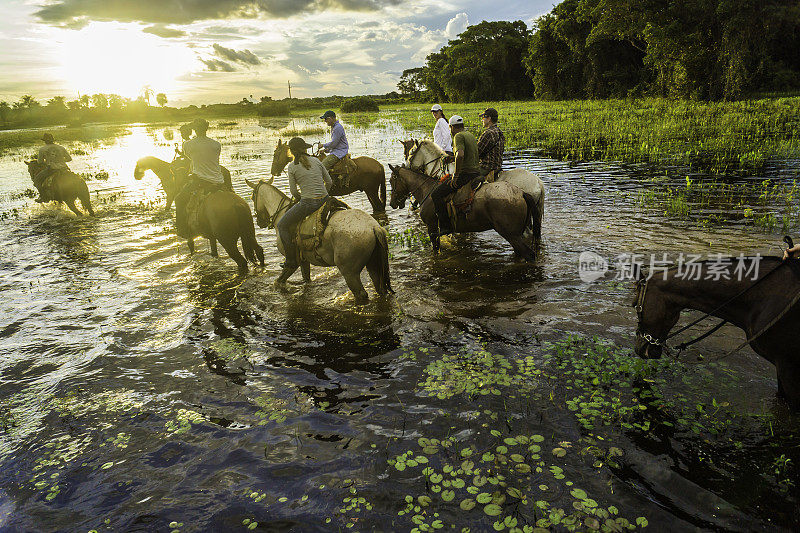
313	180
491	145
205	173
53	157
466	169
338	147
441	132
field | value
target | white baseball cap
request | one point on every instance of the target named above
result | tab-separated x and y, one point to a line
436	107
456	120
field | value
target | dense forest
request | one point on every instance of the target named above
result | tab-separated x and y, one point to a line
698	49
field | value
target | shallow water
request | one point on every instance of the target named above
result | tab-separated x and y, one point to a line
142	386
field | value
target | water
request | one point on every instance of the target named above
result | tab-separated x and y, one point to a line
142	386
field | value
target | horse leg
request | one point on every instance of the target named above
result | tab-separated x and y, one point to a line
353	280
520	246
170	199
71	205
213	242
86	202
374	201
305	269
190	244
789	382
233	252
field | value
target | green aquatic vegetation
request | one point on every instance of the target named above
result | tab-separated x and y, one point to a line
182	421
231	350
272	408
411	238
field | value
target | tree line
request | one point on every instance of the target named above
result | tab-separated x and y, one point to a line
698	49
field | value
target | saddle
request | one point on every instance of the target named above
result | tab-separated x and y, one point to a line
194	205
459	204
342	170
310	230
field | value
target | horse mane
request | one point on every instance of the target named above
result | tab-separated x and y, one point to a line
432	146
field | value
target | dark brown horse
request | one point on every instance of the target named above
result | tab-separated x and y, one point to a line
370	178
752	305
172	175
67	187
225	217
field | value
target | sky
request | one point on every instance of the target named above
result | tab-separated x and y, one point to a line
206	51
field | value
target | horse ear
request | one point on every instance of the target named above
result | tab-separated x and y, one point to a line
392	167
280	142
250	183
416	143
271	180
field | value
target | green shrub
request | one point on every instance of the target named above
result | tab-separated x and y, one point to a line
359	103
273	109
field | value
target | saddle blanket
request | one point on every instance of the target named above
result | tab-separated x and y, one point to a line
310	230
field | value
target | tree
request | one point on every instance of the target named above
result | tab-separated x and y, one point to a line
99	101
115	102
147	93
57	103
74	105
28	102
411	83
483	63
5	111
161	99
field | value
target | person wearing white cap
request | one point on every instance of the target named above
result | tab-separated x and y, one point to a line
467	169
441	132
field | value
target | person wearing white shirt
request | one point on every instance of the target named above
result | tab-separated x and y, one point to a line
441	132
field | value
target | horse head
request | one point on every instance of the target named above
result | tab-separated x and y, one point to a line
407	147
656	316
260	204
280	158
400	190
33	167
138	170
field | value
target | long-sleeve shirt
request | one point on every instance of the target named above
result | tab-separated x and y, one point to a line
491	146
54	156
338	145
313	182
204	155
441	135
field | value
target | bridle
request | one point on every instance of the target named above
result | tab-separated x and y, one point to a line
423	169
284	203
641	295
395	176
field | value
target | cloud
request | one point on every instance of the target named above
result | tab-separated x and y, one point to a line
163	31
75	13
215	65
456	25
241	56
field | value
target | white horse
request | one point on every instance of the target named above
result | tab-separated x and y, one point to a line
351	241
426	157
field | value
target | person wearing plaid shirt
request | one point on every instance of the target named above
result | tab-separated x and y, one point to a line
491	145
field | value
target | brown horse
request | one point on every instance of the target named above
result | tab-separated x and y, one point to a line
172	175
225	217
370	178
500	206
67	187
750	304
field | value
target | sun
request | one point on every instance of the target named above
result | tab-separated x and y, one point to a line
114	58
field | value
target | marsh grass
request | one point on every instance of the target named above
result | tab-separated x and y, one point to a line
13	139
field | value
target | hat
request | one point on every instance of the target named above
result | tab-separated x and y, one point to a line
456	120
436	107
491	113
296	144
327	114
200	124
48	137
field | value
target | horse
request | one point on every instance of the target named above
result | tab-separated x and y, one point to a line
370	177
66	188
225	217
351	241
500	206
172	175
426	157
754	304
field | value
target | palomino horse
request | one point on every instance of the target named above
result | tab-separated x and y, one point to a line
172	175
426	157
763	307
351	241
225	217
67	187
370	178
498	205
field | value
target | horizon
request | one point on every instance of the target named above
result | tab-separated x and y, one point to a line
210	51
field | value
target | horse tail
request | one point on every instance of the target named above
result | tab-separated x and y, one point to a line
535	214
83	196
378	263
252	250
382	195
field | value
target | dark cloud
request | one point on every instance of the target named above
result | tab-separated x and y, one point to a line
215	65
237	56
164	31
74	13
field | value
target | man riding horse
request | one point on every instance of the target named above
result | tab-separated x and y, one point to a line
206	174
491	145
338	146
54	158
466	169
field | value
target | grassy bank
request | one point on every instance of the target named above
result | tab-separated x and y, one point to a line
719	137
14	139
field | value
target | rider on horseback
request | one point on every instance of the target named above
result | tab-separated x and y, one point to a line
491	145
312	178
206	174
441	132
54	158
338	146
467	169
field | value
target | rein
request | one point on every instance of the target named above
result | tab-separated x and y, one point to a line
411	193
424	167
283	204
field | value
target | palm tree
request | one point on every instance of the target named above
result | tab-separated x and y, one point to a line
147	93
28	102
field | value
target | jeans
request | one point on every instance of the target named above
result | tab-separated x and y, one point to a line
287	226
329	161
444	190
